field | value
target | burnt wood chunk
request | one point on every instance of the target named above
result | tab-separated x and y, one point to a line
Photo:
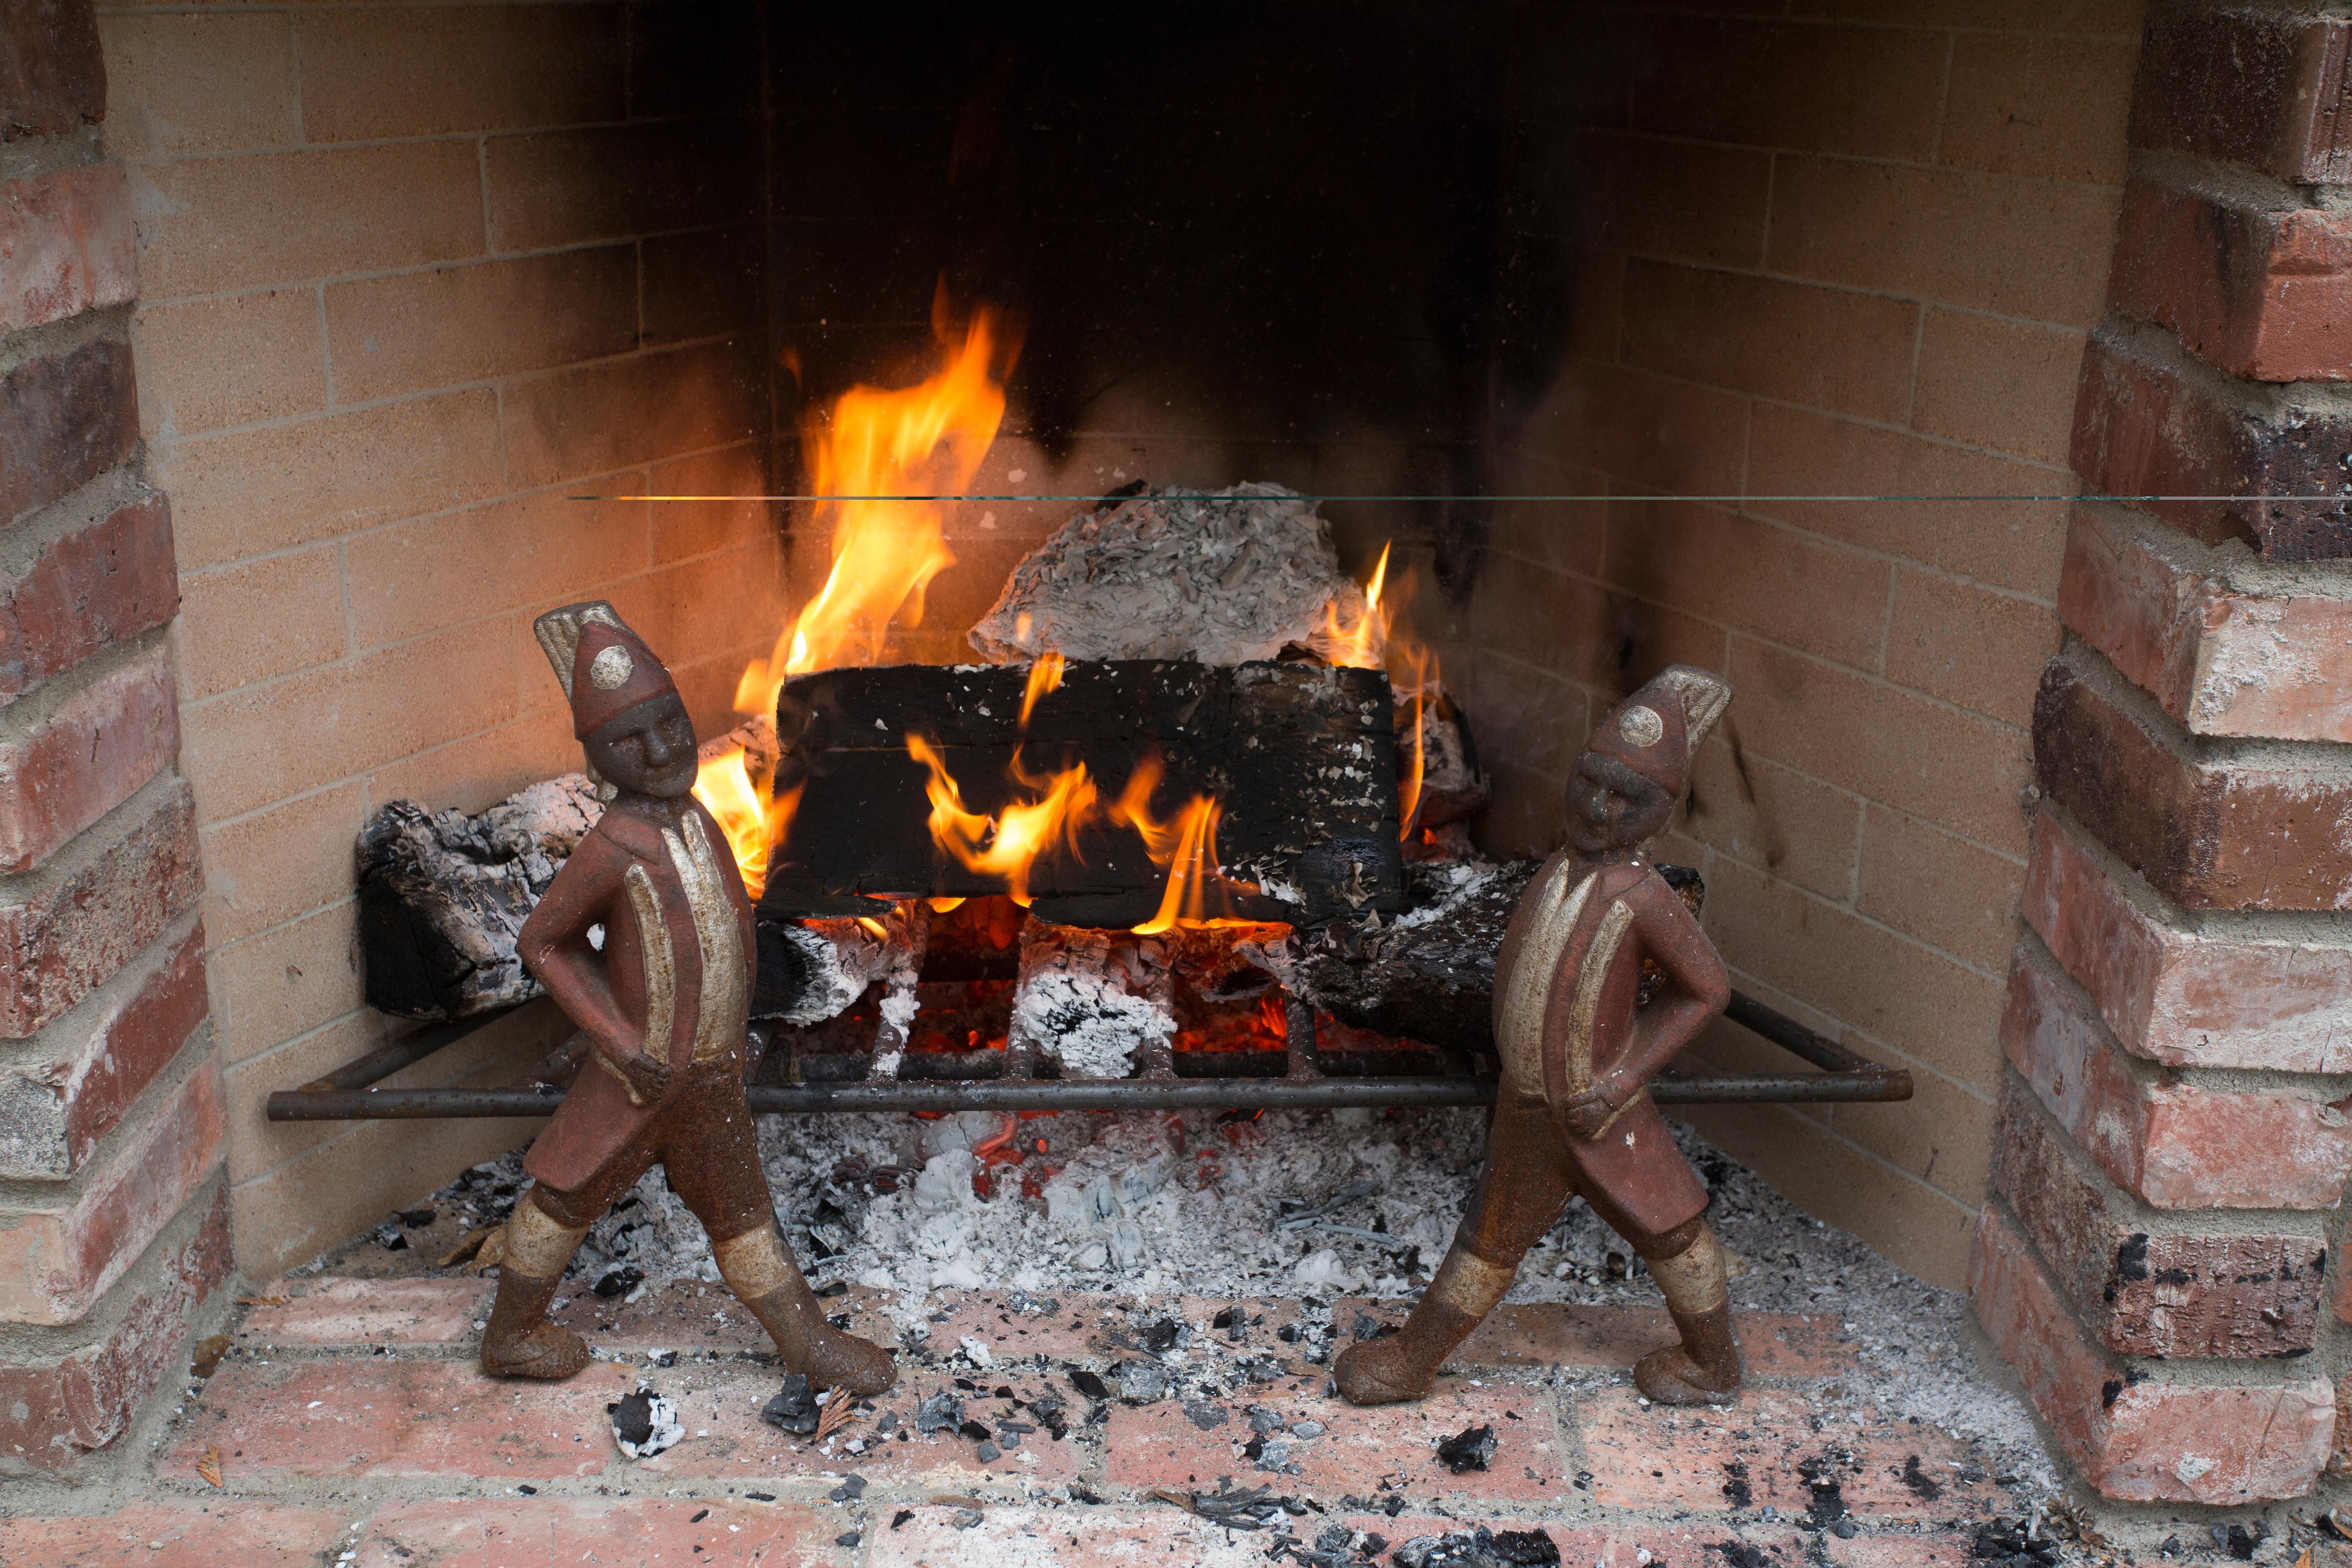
1300	756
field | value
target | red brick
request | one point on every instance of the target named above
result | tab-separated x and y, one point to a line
2151	421
2247	86
83	919
1077	1537
55	1262
2144	1438
2172	1144
99	585
2205	833
1555	1333
1664	1458
379	1418
516	1532
2147	1290
2220	660
2205	996
87	1400
366	1311
1158	1444
253	1534
52	77
85	756
64	419
66	245
86	1071
2264	294
690	1313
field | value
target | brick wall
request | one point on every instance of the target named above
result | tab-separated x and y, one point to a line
2173	1139
113	1230
413	277
1854	250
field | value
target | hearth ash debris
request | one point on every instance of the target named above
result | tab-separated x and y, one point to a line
1480	1548
2014	1543
1225	577
644	1423
1088	998
1468	1449
1200	1199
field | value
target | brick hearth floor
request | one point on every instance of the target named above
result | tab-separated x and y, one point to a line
351	1427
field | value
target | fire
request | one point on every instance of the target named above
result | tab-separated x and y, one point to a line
1358	642
927	439
1008	844
1186	844
1044	675
1374	639
724	786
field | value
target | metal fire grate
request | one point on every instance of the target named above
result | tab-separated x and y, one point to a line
1302	1083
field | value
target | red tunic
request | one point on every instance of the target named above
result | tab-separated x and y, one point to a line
661	972
1565	986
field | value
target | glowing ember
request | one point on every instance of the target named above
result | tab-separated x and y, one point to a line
927	439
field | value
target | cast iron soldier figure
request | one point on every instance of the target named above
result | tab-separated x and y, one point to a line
662	1004
1578	1052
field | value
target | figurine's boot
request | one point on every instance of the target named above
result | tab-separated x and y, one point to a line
760	1271
1404	1364
519	1340
1704	1368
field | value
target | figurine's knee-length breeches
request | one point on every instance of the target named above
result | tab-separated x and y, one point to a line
1640	1185
703	1138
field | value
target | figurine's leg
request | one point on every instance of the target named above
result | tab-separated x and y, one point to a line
713	1162
1688	1264
519	1340
1526	1182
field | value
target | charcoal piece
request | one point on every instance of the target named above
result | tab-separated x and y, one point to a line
1089	1384
942	1412
1301	757
1468	1449
1141	1381
1207	1415
793	1408
644	1424
850	1489
418	1217
987	1452
619	1281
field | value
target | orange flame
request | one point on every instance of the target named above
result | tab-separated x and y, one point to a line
927	439
1008	844
1044	675
1186	844
1360	642
724	786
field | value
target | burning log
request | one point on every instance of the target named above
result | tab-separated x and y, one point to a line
1227	577
1428	974
442	895
1299	758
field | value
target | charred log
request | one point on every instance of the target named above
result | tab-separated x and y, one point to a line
1300	756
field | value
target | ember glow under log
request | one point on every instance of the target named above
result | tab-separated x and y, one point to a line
1298	758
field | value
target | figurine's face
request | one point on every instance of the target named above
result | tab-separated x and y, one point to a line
648	750
1612	807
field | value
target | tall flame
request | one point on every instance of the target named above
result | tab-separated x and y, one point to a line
1008	844
724	785
1044	675
1361	641
1185	844
923	440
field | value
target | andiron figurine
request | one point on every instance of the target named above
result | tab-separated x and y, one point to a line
1579	1047
662	1000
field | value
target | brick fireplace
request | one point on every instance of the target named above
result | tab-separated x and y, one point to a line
316	317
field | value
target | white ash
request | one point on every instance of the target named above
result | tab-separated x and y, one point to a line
844	956
1223	577
1088	998
1454	883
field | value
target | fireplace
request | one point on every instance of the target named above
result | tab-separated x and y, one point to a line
1595	322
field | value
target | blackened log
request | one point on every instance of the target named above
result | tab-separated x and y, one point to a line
1428	974
1300	756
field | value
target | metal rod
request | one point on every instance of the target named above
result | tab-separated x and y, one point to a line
1794	1038
406	1051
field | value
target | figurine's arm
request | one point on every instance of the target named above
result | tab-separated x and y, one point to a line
1696	987
554	946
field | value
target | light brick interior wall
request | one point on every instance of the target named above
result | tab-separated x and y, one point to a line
1852	251
415	275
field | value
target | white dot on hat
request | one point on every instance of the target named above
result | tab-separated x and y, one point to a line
1641	726
609	668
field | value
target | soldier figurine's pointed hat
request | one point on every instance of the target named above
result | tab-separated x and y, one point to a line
1658	729
606	669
